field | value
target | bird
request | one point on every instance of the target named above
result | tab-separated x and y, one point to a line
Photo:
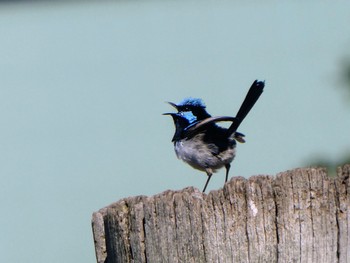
200	142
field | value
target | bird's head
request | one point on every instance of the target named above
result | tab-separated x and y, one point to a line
192	108
190	112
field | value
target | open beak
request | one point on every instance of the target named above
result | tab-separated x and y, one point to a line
174	105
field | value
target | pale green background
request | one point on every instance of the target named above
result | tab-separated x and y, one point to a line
82	90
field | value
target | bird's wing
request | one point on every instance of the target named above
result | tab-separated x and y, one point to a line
192	130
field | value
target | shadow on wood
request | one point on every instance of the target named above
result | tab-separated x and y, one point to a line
298	216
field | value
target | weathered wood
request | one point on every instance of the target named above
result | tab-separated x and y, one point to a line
301	215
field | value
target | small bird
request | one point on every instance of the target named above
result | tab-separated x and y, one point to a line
200	142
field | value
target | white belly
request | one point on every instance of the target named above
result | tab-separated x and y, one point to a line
201	156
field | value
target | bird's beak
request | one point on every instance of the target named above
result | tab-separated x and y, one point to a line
172	114
172	104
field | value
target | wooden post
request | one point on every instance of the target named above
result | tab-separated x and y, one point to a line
301	215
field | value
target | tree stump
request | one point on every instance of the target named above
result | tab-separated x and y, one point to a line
301	215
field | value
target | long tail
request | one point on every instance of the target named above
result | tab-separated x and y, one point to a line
253	95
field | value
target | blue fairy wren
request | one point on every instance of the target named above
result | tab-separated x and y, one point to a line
200	142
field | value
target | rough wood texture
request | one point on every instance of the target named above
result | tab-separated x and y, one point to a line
298	216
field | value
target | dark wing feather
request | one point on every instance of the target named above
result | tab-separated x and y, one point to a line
199	126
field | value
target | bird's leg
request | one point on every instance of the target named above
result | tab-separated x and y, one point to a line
209	173
227	166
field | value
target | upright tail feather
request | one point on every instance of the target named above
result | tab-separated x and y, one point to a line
253	95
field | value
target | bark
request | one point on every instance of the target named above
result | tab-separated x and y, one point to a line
297	216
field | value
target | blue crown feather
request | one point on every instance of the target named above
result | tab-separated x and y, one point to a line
197	102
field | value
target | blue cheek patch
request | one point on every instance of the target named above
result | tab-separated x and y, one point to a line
188	115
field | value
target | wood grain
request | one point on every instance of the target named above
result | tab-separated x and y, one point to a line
300	215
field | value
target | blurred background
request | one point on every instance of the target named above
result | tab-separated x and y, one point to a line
83	86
